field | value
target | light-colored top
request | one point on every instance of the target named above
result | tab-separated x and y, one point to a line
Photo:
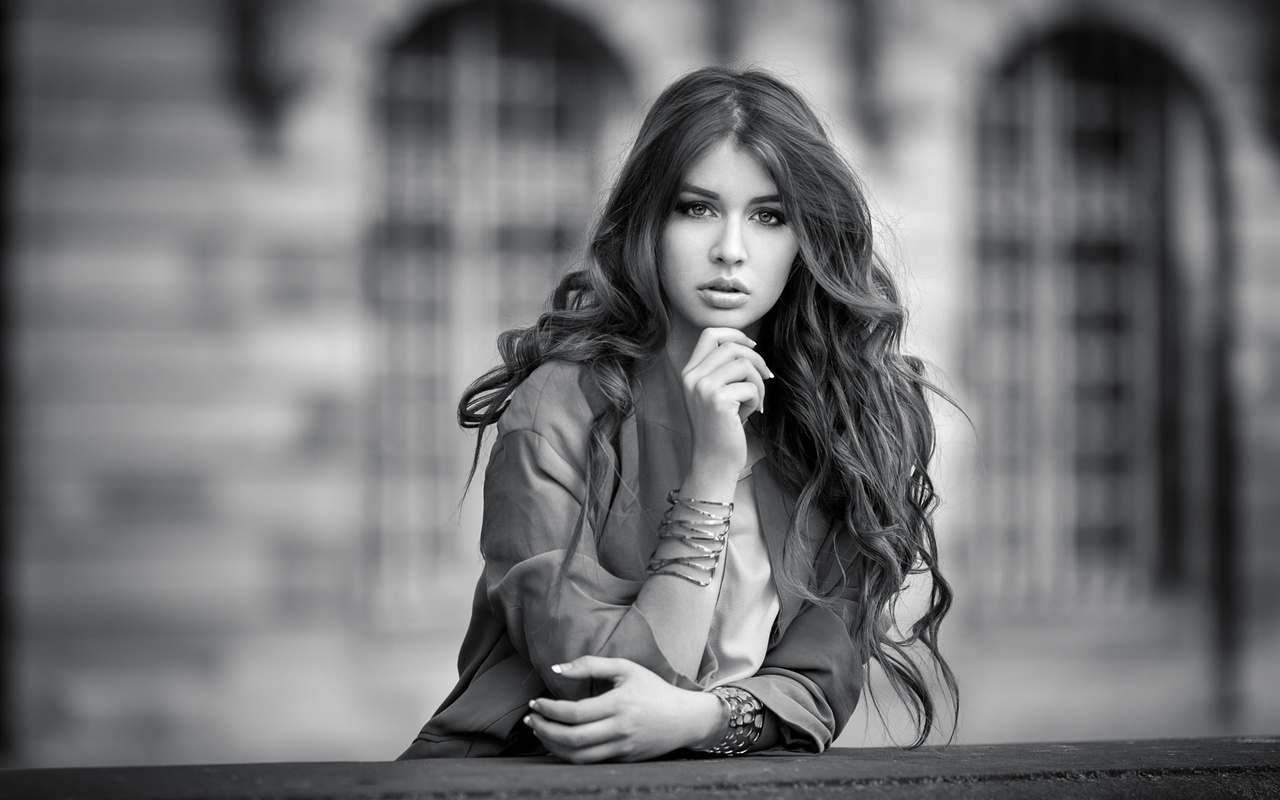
748	603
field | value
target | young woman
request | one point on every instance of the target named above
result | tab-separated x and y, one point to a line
709	481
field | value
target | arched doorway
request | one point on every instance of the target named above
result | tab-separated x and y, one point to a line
490	116
1098	267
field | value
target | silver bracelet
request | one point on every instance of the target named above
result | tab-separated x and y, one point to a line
676	499
704	535
746	721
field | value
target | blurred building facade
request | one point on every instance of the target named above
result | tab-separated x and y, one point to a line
257	248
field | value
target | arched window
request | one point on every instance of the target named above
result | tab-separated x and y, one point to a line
491	113
1096	262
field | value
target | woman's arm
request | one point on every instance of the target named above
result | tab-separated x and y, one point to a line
810	680
808	685
558	607
723	384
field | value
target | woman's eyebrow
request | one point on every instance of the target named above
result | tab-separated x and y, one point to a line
689	188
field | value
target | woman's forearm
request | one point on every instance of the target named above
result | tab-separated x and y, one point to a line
680	610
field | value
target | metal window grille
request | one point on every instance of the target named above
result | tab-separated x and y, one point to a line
1076	330
490	114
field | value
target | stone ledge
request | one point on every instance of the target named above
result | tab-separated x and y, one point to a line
1192	768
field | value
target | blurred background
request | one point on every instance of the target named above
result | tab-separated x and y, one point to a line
255	249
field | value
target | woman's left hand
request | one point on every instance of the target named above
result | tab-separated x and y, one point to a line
641	717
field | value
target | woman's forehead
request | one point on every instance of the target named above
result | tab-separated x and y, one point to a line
728	166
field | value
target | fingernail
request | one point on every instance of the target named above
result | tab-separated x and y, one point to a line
533	704
528	720
751	342
557	668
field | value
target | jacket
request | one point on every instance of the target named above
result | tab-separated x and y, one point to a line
524	619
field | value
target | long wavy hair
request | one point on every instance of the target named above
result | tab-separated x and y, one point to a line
849	429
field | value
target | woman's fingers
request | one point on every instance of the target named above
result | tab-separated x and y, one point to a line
594	754
572	741
729	351
725	366
584	667
642	716
728	381
749	399
711	338
574	712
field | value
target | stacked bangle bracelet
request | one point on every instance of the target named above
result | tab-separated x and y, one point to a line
746	721
703	536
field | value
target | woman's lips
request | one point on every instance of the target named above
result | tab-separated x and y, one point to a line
725	285
721	298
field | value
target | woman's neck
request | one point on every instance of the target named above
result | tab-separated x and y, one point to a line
680	344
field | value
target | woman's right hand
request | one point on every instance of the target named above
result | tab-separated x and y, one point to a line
723	385
640	716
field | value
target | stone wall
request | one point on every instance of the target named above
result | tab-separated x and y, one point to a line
188	360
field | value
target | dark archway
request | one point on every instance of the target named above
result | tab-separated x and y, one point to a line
1101	260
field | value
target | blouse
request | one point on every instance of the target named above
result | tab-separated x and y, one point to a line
535	605
748	603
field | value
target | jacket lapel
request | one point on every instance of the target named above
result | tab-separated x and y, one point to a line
664	437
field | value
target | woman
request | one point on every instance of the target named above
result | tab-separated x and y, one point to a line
709	481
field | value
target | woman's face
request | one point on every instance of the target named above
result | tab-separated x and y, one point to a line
726	250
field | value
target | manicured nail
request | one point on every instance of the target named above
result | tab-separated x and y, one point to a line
527	719
751	342
533	704
557	668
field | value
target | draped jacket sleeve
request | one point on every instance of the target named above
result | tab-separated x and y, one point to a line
545	598
559	601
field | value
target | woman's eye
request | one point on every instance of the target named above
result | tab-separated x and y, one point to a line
695	209
767	216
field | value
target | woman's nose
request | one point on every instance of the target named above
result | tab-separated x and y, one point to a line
729	247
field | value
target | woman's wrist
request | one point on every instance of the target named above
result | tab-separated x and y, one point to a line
743	721
691	539
708	481
711	720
